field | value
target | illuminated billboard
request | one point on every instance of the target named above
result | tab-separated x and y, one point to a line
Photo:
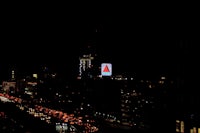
106	69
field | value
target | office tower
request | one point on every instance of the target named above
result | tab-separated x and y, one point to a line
13	75
131	104
85	65
88	66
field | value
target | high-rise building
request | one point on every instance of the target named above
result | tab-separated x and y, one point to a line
85	65
186	68
133	104
12	72
88	66
13	75
180	126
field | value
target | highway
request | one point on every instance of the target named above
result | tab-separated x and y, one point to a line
57	120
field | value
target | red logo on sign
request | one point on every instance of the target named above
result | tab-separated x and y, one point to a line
106	69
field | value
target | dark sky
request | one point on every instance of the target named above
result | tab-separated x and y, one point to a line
146	41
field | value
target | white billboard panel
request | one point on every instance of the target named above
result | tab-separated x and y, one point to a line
106	69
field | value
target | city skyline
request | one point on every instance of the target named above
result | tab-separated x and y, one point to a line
163	59
134	43
50	69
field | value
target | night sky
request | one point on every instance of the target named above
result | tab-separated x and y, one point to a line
144	42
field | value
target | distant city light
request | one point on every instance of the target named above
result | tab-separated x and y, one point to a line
163	78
